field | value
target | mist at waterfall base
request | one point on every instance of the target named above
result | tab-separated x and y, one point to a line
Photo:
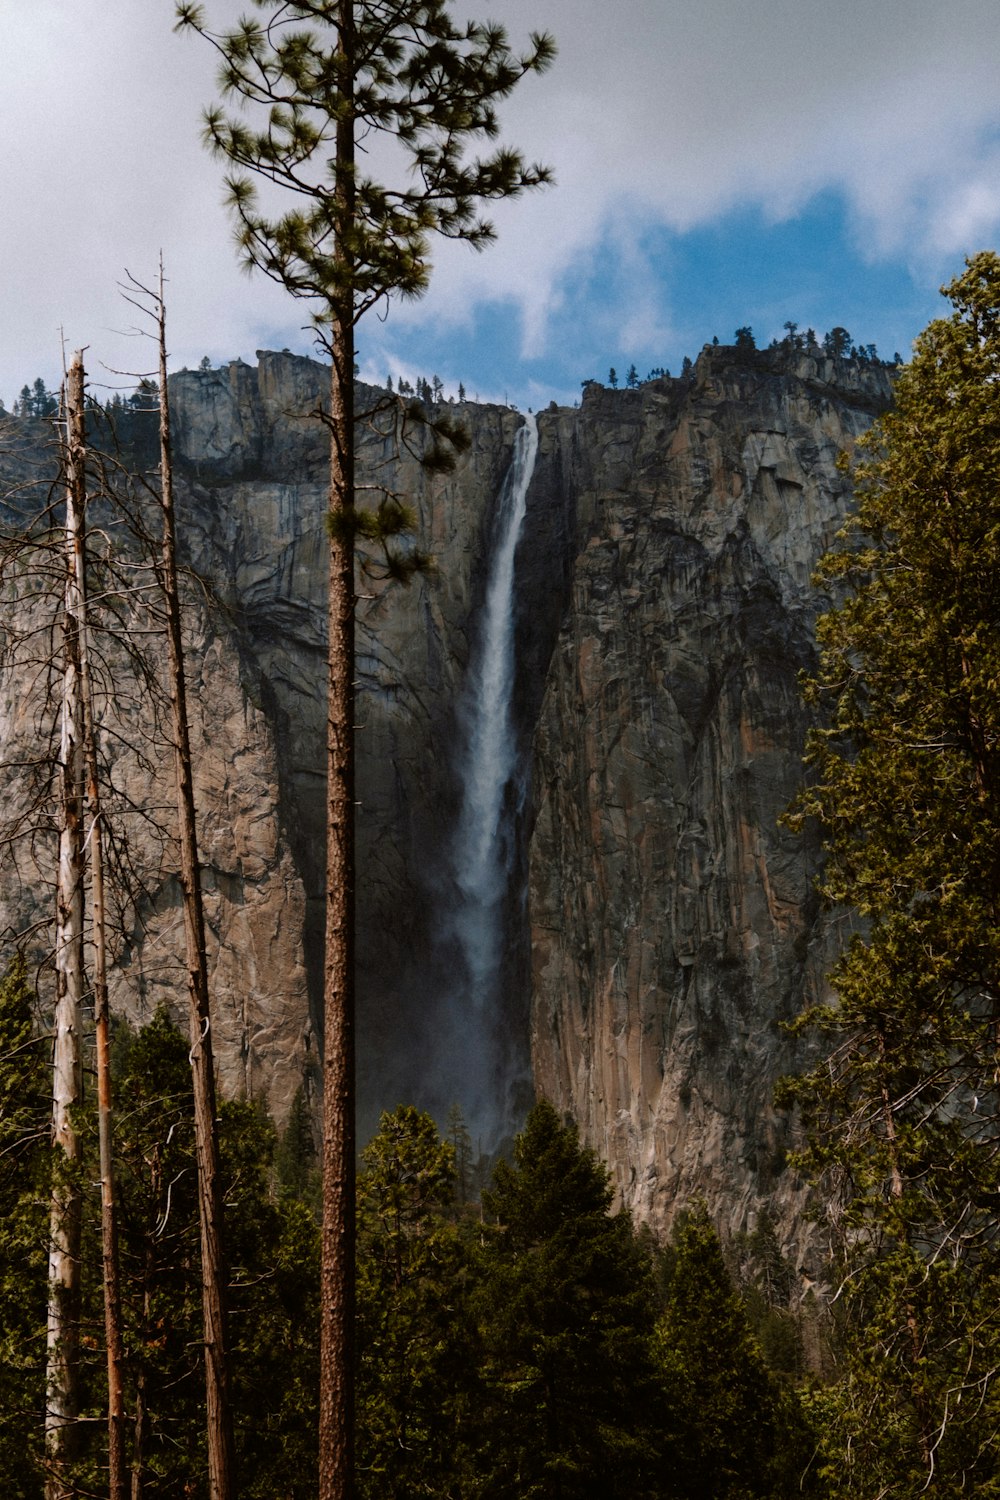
485	1036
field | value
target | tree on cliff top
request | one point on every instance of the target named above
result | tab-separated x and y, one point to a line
333	76
904	1108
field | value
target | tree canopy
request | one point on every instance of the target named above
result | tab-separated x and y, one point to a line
568	1337
398	69
905	784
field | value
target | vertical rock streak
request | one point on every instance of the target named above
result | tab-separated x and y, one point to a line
482	848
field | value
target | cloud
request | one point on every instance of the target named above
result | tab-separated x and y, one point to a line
657	112
672	114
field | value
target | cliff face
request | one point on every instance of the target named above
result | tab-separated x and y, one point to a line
659	924
674	923
252	462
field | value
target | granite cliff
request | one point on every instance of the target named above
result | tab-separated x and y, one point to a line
658	924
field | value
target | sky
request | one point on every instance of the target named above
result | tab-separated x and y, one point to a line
718	163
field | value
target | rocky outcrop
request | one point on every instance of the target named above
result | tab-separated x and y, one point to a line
661	923
674	923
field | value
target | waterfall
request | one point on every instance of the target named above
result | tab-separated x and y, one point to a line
483	851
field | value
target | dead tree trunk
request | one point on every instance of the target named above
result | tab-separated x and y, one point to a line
114	1340
62	1396
213	1265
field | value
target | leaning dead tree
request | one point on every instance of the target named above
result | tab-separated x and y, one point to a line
214	1276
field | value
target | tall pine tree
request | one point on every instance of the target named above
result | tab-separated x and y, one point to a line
418	1384
731	1431
333	76
905	783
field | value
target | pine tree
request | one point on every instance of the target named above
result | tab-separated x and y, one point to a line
568	1310
461	1143
418	1406
274	1284
905	783
158	1195
732	1432
328	74
295	1159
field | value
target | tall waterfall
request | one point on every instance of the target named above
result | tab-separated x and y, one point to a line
483	852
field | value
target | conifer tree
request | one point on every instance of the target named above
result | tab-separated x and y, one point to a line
418	1383
905	784
295	1160
568	1310
328	74
273	1254
732	1433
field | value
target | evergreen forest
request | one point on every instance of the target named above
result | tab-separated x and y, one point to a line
521	1340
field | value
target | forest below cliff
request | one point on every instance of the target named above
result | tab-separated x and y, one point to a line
515	1335
513	1339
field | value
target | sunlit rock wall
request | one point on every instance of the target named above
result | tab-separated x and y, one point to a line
674	922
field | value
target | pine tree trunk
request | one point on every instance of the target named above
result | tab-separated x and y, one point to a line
114	1341
210	1209
337	1274
62	1398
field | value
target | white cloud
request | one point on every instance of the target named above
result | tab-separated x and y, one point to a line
656	111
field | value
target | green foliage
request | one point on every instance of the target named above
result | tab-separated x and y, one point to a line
273	1247
418	1347
567	1312
905	784
24	1141
765	1282
461	1144
407	72
296	1163
734	1432
837	343
36	401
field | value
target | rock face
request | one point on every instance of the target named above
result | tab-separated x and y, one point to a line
674	925
660	924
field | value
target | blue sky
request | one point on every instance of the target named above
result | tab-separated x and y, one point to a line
707	282
717	164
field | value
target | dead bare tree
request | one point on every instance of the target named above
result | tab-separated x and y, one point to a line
62	1398
114	1337
221	1462
46	560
